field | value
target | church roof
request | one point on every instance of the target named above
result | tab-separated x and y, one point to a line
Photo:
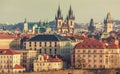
48	37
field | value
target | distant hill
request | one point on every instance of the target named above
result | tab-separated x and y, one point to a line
30	25
117	22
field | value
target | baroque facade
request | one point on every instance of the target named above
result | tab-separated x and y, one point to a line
10	61
46	62
93	54
50	44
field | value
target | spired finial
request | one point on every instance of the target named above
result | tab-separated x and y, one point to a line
108	18
25	20
91	22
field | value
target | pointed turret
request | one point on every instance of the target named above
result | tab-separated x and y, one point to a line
70	14
59	14
25	25
25	20
91	27
108	23
108	18
91	22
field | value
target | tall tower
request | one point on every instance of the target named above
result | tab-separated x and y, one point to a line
70	20
25	25
59	20
91	27
108	23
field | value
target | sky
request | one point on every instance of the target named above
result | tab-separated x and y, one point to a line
15	11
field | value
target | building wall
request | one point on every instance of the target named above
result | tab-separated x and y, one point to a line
7	62
50	48
9	44
27	58
42	64
96	58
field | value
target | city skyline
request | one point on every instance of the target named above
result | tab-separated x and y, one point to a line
16	11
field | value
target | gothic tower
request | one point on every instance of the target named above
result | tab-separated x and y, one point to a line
70	20
25	26
59	20
108	23
91	27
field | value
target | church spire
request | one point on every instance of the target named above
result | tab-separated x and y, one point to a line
91	27
59	14
70	14
91	22
108	18
25	20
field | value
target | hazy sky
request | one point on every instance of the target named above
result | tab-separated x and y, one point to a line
14	11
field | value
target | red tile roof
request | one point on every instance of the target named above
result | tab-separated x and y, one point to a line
8	52
112	46
18	67
90	44
80	37
55	60
6	35
51	59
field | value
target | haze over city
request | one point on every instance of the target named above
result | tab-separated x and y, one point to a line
14	11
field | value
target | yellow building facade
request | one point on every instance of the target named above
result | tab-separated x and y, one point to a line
46	63
10	61
92	54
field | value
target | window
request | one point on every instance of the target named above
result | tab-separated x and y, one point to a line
45	44
71	23
89	55
50	44
29	44
59	23
35	44
78	51
55	51
45	51
100	66
100	61
94	55
94	66
83	55
94	51
83	51
89	60
89	51
100	55
78	55
40	44
100	51
55	44
89	65
40	51
50	51
94	60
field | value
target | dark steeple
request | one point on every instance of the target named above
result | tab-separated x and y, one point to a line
108	18
91	22
25	20
70	14
59	14
91	27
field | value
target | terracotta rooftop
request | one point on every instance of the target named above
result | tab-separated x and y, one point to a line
18	67
80	37
6	35
8	52
55	60
51	59
90	44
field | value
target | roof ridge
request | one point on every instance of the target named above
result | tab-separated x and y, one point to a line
57	37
